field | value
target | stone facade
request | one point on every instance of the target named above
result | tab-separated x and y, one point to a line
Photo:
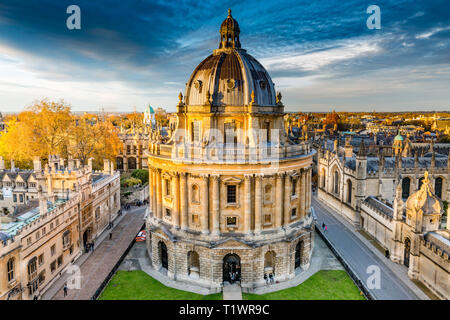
39	243
229	192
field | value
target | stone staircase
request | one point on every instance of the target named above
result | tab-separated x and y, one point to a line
232	291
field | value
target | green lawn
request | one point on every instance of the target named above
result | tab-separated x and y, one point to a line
324	285
137	285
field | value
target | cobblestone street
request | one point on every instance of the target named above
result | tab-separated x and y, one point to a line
99	264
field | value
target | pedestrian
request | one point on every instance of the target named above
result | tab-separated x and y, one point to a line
323	225
326	227
266	279
270	278
35	298
110	235
387	253
92	245
65	290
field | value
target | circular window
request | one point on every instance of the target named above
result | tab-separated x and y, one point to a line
262	85
230	83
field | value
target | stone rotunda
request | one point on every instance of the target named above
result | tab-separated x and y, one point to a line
230	194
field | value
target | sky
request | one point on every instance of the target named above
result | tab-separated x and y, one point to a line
320	54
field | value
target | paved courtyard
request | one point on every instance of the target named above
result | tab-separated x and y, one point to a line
95	268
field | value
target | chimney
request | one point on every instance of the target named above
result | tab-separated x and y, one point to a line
90	163
78	163
106	166
42	201
111	167
61	163
2	164
37	164
70	164
13	166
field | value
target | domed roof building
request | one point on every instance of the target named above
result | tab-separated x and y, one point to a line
229	191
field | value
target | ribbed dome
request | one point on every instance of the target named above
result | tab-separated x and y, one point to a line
230	75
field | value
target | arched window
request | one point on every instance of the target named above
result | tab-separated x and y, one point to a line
163	255
322	176
195	193
298	254
10	269
336	182
438	187
421	182
349	191
406	183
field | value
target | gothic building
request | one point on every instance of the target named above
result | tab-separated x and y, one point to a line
346	179
230	192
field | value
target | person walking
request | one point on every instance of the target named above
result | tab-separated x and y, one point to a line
266	279
323	225
65	290
92	244
326	227
110	235
271	278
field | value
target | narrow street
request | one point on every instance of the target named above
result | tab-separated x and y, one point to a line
360	257
99	263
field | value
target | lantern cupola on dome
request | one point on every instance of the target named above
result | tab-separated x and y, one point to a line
229	33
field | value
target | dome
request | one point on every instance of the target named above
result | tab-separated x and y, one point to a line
230	75
398	138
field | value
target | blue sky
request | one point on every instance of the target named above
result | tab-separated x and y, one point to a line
320	54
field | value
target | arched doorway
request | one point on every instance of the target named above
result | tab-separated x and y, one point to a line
406	182
231	268
421	182
163	255
407	252
298	254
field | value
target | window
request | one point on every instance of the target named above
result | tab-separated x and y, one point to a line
32	184
32	268
267	219
20	198
336	182
66	238
293	212
293	186
231	193
195	196
268	193
168	213
15	197
41	278
51	226
29	241
41	259
97	213
128	149
195	131
43	231
37	235
10	269
53	266
52	250
231	221
134	149
195	219
60	261
168	187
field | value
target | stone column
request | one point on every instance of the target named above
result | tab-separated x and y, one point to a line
215	204
151	191
176	200
158	194
287	200
204	195
308	190
184	201
302	193
258	204
247	203
279	200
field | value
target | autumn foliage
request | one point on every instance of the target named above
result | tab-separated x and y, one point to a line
49	127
